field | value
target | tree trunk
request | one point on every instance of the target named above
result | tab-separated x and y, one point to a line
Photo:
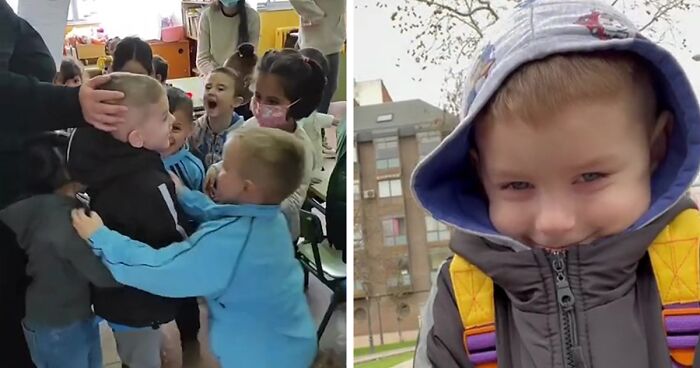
381	329
369	325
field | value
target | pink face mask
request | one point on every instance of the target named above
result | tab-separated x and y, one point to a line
270	116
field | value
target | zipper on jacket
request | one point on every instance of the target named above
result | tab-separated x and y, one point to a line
573	356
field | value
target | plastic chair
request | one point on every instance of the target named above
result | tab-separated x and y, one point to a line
323	261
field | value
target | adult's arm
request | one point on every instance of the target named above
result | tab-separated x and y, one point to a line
30	105
205	61
308	10
33	106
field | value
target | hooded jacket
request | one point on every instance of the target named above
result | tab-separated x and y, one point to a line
130	189
617	309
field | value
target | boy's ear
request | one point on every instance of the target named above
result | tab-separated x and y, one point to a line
660	136
135	139
237	101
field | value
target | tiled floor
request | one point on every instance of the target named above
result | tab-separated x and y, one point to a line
318	297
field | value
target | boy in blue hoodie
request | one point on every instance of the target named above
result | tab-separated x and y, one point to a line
240	259
575	243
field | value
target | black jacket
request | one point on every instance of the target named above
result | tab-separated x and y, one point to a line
28	101
130	189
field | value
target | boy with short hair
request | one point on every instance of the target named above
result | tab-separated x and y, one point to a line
178	158
575	244
239	259
128	184
219	120
160	69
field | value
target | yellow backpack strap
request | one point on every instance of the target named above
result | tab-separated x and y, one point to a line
473	292
675	259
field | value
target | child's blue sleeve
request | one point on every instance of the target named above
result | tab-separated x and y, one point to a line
195	204
199	266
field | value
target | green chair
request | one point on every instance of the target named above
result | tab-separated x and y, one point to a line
319	258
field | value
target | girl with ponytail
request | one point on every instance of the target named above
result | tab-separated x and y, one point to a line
288	88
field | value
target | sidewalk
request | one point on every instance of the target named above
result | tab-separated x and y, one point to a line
383	354
406	364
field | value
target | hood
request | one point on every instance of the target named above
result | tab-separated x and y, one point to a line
446	184
95	158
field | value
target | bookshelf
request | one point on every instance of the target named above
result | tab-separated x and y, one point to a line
190	16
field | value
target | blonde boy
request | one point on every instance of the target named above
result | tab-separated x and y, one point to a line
567	174
240	259
130	188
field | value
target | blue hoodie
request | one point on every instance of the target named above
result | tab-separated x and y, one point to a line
241	261
187	167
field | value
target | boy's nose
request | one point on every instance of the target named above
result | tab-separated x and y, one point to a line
555	220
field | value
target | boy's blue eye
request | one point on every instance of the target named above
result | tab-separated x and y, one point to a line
516	185
589	177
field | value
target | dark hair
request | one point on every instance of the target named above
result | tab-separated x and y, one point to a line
160	67
46	162
133	48
178	100
317	56
243	33
224	70
69	69
302	79
244	59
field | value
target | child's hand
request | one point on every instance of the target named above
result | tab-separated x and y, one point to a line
210	180
86	225
176	180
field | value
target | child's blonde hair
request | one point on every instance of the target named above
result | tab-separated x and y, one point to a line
545	86
139	90
272	159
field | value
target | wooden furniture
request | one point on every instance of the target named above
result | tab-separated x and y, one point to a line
177	54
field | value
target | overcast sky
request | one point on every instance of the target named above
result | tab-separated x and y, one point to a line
377	47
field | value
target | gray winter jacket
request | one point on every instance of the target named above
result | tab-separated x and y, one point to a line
616	319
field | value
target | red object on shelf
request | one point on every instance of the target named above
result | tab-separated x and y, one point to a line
172	34
189	94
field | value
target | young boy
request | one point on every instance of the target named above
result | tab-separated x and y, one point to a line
160	69
575	244
59	326
240	258
177	157
128	184
219	120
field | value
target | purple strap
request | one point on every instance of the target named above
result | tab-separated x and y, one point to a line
683	324
682	342
481	342
483	357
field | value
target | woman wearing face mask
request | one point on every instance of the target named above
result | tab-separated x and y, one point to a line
288	88
223	26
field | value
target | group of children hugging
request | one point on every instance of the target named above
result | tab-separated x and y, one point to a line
132	226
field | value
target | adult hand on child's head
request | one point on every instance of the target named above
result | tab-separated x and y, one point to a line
98	106
176	180
210	180
86	225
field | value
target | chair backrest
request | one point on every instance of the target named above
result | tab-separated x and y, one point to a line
310	227
336	197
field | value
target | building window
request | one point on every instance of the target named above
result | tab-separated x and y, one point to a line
390	188
435	230
427	142
385	118
405	278
392	282
394	231
358	236
437	256
356	189
400	281
388	163
387	153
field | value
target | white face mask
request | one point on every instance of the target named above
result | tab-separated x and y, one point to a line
230	3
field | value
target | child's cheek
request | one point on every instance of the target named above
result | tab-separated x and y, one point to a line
509	218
